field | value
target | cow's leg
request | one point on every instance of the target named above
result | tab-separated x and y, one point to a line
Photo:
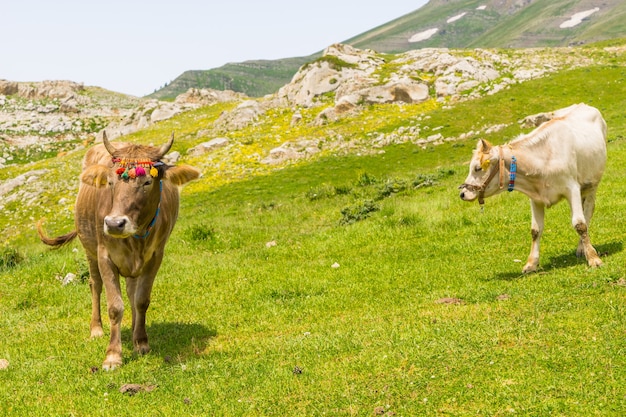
536	230
580	225
141	301
140	337
115	305
95	284
589	203
131	285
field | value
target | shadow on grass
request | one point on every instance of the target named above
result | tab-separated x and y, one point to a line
570	259
175	341
565	261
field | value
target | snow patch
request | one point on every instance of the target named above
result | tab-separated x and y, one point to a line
481	7
578	18
422	36
457	17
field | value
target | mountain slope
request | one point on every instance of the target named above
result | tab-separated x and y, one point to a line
255	78
439	23
493	23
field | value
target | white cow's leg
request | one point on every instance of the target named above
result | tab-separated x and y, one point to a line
536	230
579	221
589	203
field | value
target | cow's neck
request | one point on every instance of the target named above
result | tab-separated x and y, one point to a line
526	169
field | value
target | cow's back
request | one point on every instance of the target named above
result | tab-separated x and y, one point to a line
572	144
590	120
588	130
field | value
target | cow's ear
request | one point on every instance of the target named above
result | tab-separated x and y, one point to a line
483	146
95	175
181	174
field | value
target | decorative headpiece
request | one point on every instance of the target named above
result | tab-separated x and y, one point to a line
133	168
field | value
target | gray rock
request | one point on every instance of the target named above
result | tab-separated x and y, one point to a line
209	146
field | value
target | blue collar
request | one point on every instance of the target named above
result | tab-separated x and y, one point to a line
513	174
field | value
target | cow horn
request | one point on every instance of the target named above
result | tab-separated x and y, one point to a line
105	141
166	147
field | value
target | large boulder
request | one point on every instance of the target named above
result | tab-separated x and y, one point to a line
339	64
244	114
404	90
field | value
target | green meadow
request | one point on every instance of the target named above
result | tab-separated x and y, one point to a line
344	285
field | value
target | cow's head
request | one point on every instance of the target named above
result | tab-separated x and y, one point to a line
484	166
135	177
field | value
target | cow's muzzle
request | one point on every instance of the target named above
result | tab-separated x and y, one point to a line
117	226
469	192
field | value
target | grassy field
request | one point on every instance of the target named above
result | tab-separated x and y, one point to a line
351	285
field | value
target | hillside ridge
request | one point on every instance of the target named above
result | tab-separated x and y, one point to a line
439	23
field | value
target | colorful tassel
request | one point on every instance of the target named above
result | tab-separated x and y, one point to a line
133	168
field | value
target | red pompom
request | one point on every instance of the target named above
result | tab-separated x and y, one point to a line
120	171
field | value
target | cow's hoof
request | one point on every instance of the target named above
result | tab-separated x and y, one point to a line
595	262
97	332
111	362
142	348
529	269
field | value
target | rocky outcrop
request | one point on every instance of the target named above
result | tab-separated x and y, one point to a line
154	111
41	90
244	114
38	117
292	150
50	112
207	97
8	88
12	188
353	77
206	147
340	65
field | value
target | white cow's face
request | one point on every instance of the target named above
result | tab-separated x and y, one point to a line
482	169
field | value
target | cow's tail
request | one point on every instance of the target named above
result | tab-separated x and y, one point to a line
55	242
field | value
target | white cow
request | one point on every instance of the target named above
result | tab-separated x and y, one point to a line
563	158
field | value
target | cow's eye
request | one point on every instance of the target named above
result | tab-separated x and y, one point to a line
147	183
478	168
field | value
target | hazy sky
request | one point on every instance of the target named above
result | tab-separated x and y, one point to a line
136	46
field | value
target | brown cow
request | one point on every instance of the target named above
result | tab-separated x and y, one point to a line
126	208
